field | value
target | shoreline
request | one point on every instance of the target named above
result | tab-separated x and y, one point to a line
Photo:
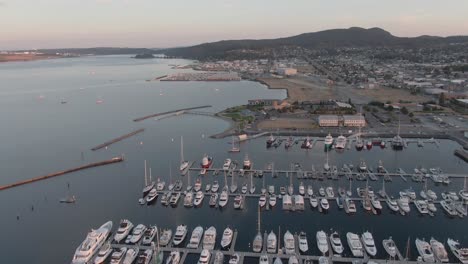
271	88
21	58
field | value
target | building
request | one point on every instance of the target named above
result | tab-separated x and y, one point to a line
286	71
354	121
329	121
266	102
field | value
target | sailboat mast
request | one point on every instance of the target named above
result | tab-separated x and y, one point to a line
146	181
259	220
225	179
150	175
181	149
407	249
279	238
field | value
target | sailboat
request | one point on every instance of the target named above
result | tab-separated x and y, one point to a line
183	163
326	166
233	184
397	141
257	244
359	141
349	193
148	184
252	186
70	198
234	148
158	255
189	183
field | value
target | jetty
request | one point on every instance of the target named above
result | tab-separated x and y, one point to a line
461	154
169	112
55	174
115	140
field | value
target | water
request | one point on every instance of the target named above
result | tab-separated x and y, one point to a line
40	136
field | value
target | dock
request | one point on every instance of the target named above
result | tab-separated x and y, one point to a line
169	112
48	176
461	154
115	140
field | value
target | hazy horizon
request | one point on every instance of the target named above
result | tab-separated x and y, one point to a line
152	24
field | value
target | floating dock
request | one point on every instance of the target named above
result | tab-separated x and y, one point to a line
91	165
169	112
108	143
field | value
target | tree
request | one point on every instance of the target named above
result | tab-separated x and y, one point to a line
404	110
411	114
442	99
390	108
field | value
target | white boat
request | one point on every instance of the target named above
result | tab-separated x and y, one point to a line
205	257
238	202
223	198
324	204
196	237
235	258
227	238
247	164
271	243
298	202
219	258
206	162
257	243
376	203
424	250
262	201
301	188
460	253
272	200
293	260
130	256
183	163
340	142
215	187
322	242
174	258
145	257
421	205
227	164
278	261
199	198
336	244
165	237
160	185
188	199
439	250
148	183
310	191
390	247
263	259
303	245
209	238
124	229
322	191
137	233
152	195
244	188
287	202
323	260
449	208
289	244
180	234
118	255
355	244
313	201
271	189
328	141
403	203
103	253
369	244
149	235
392	204
330	193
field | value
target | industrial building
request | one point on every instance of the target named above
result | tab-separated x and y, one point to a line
346	121
354	121
329	120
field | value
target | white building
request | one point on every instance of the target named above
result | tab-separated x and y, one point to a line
286	71
354	121
328	120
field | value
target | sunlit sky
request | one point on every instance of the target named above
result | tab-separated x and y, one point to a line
27	24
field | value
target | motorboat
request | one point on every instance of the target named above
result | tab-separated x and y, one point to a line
264	259
149	235
238	201
218	258
145	257
227	164
213	199
209	238
165	198
215	187
180	234
130	256
390	247
301	188
160	185
272	200
277	261
392	204
330	193
188	199
124	229
310	191
199	198
235	258
303	245
322	191
207	161
196	237
424	250
271	139
118	255
152	195
103	254
293	260
355	245
174	200
403	203
431	207
324	204
460	253
322	242
323	260
449	208
350	205
289	244
369	244
227	238
271	243
262	201
204	257
439	250
244	188
421	205
257	243
174	258
336	244
166	236
198	184
313	201
224	197
247	164
376	203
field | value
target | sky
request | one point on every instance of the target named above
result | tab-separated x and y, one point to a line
29	24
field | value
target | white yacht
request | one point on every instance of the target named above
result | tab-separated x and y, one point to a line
227	164
130	256
103	253
137	233
322	242
160	185
215	187
272	200
219	258
424	250
369	244
124	229
145	257
329	192
392	204
439	250
460	253
376	203
324	204
323	260
340	142
310	191
118	255
209	238
271	243
180	234
183	163
198	184
247	164
196	237
277	261
350	205
92	243
235	258
257	243
293	260
303	245
199	198
264	259
403	203
227	238
355	244
204	257
289	244
174	258
188	199
390	247
313	201
301	188
336	244
223	198
165	237
152	195
328	141
149	235
262	201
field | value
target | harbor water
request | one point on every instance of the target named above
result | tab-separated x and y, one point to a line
54	111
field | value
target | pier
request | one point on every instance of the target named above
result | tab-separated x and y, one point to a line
91	165
169	112
115	140
461	154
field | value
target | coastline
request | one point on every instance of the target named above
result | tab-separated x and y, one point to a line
272	88
5	58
